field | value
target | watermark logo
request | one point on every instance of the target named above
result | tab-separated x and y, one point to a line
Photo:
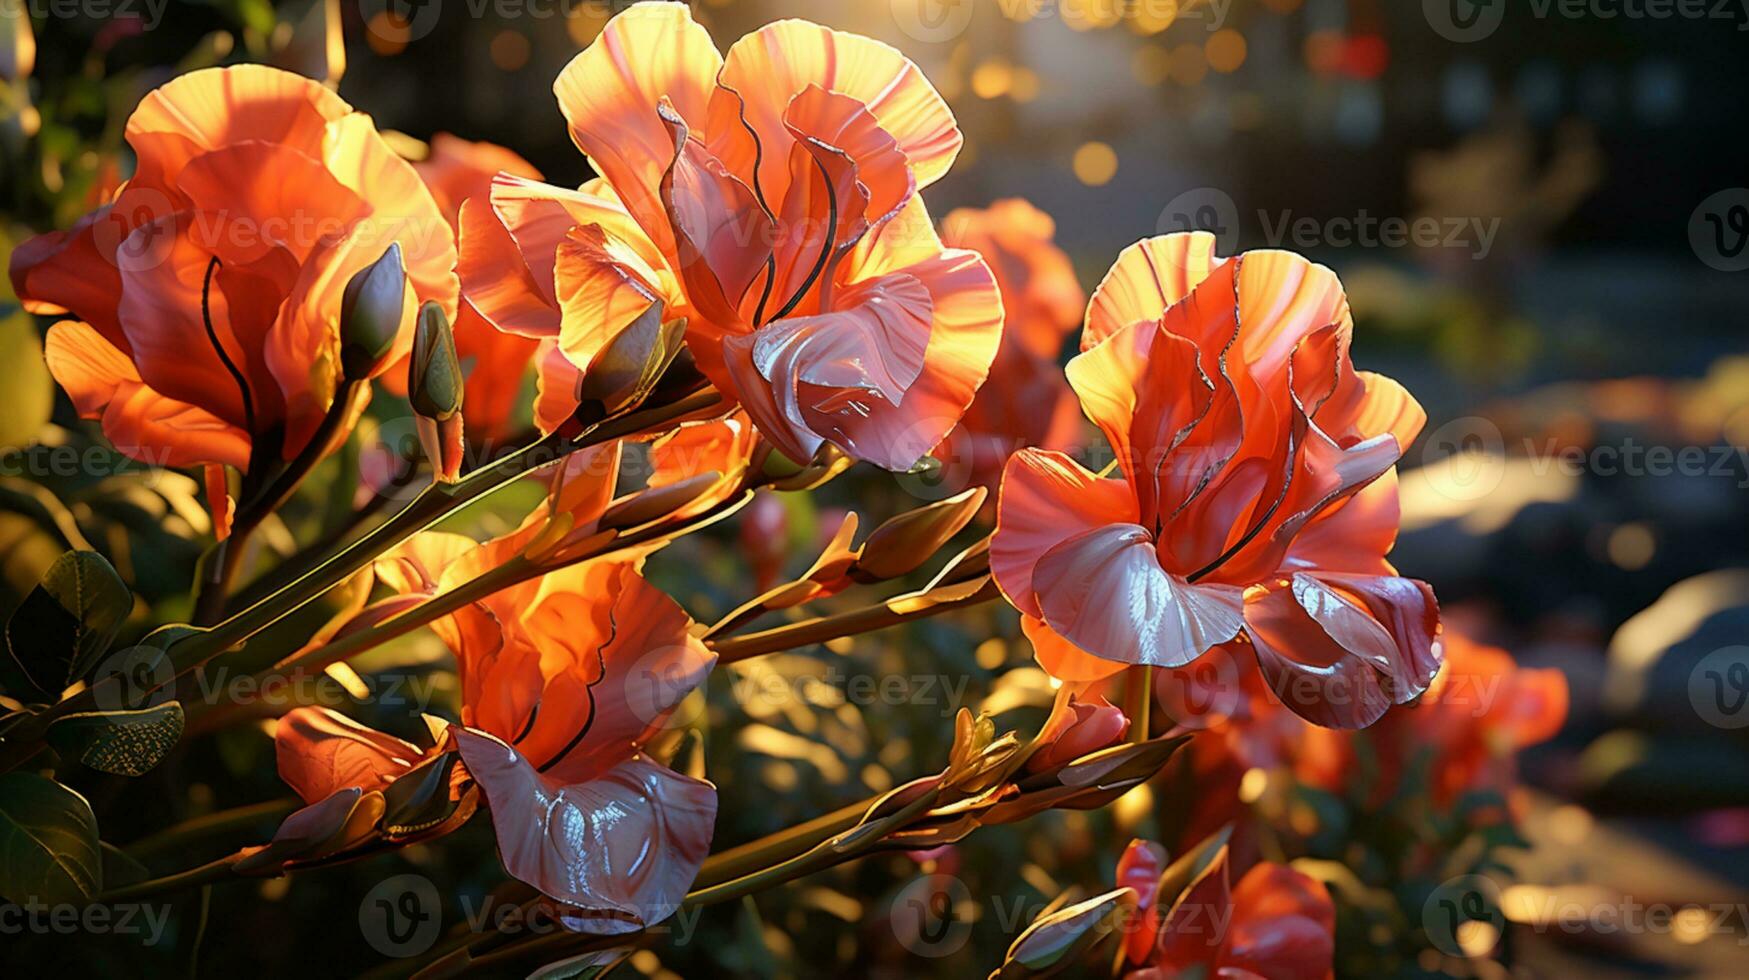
1207	209
401	916
1718	687
133	678
1474	456
1463	917
1202	693
932	21
932	916
1464	21
1718	231
400	21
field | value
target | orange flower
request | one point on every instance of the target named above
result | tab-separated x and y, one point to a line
210	289
1276	922
770	198
496	362
1026	402
1258	493
565	679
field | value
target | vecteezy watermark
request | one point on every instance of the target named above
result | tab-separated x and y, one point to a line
932	916
1718	231
1466	915
1462	917
402	21
41	462
1213	210
1718	687
939	21
771	689
402	916
1465	21
143	920
150	13
1481	452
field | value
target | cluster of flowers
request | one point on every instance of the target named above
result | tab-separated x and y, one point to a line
756	232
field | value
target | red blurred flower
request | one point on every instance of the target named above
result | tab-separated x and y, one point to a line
1257	497
1025	402
1276	923
769	197
1474	720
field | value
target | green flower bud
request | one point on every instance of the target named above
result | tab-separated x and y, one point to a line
434	380
371	311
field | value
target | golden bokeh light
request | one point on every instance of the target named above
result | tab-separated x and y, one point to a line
1152	16
388	34
1189	66
510	50
1090	15
992	79
1095	164
1151	64
1226	50
1632	546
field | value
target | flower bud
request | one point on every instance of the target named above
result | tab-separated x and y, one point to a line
434	379
434	388
371	313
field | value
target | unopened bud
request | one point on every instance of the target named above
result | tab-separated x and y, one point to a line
434	378
434	388
372	310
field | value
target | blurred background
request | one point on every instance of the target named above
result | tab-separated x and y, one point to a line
1539	213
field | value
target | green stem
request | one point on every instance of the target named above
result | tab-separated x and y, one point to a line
206	874
211	825
881	615
1141	696
432	505
210	602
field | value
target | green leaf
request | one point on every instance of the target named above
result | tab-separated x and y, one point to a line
29	394
124	743
66	623
48	842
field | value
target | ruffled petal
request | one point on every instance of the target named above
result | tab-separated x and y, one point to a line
1046	499
1148	278
457	169
321	752
215	107
497	281
609	94
1339	650
603	287
606	690
722	236
1104	591
138	421
765	70
621	849
74	271
1064	660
